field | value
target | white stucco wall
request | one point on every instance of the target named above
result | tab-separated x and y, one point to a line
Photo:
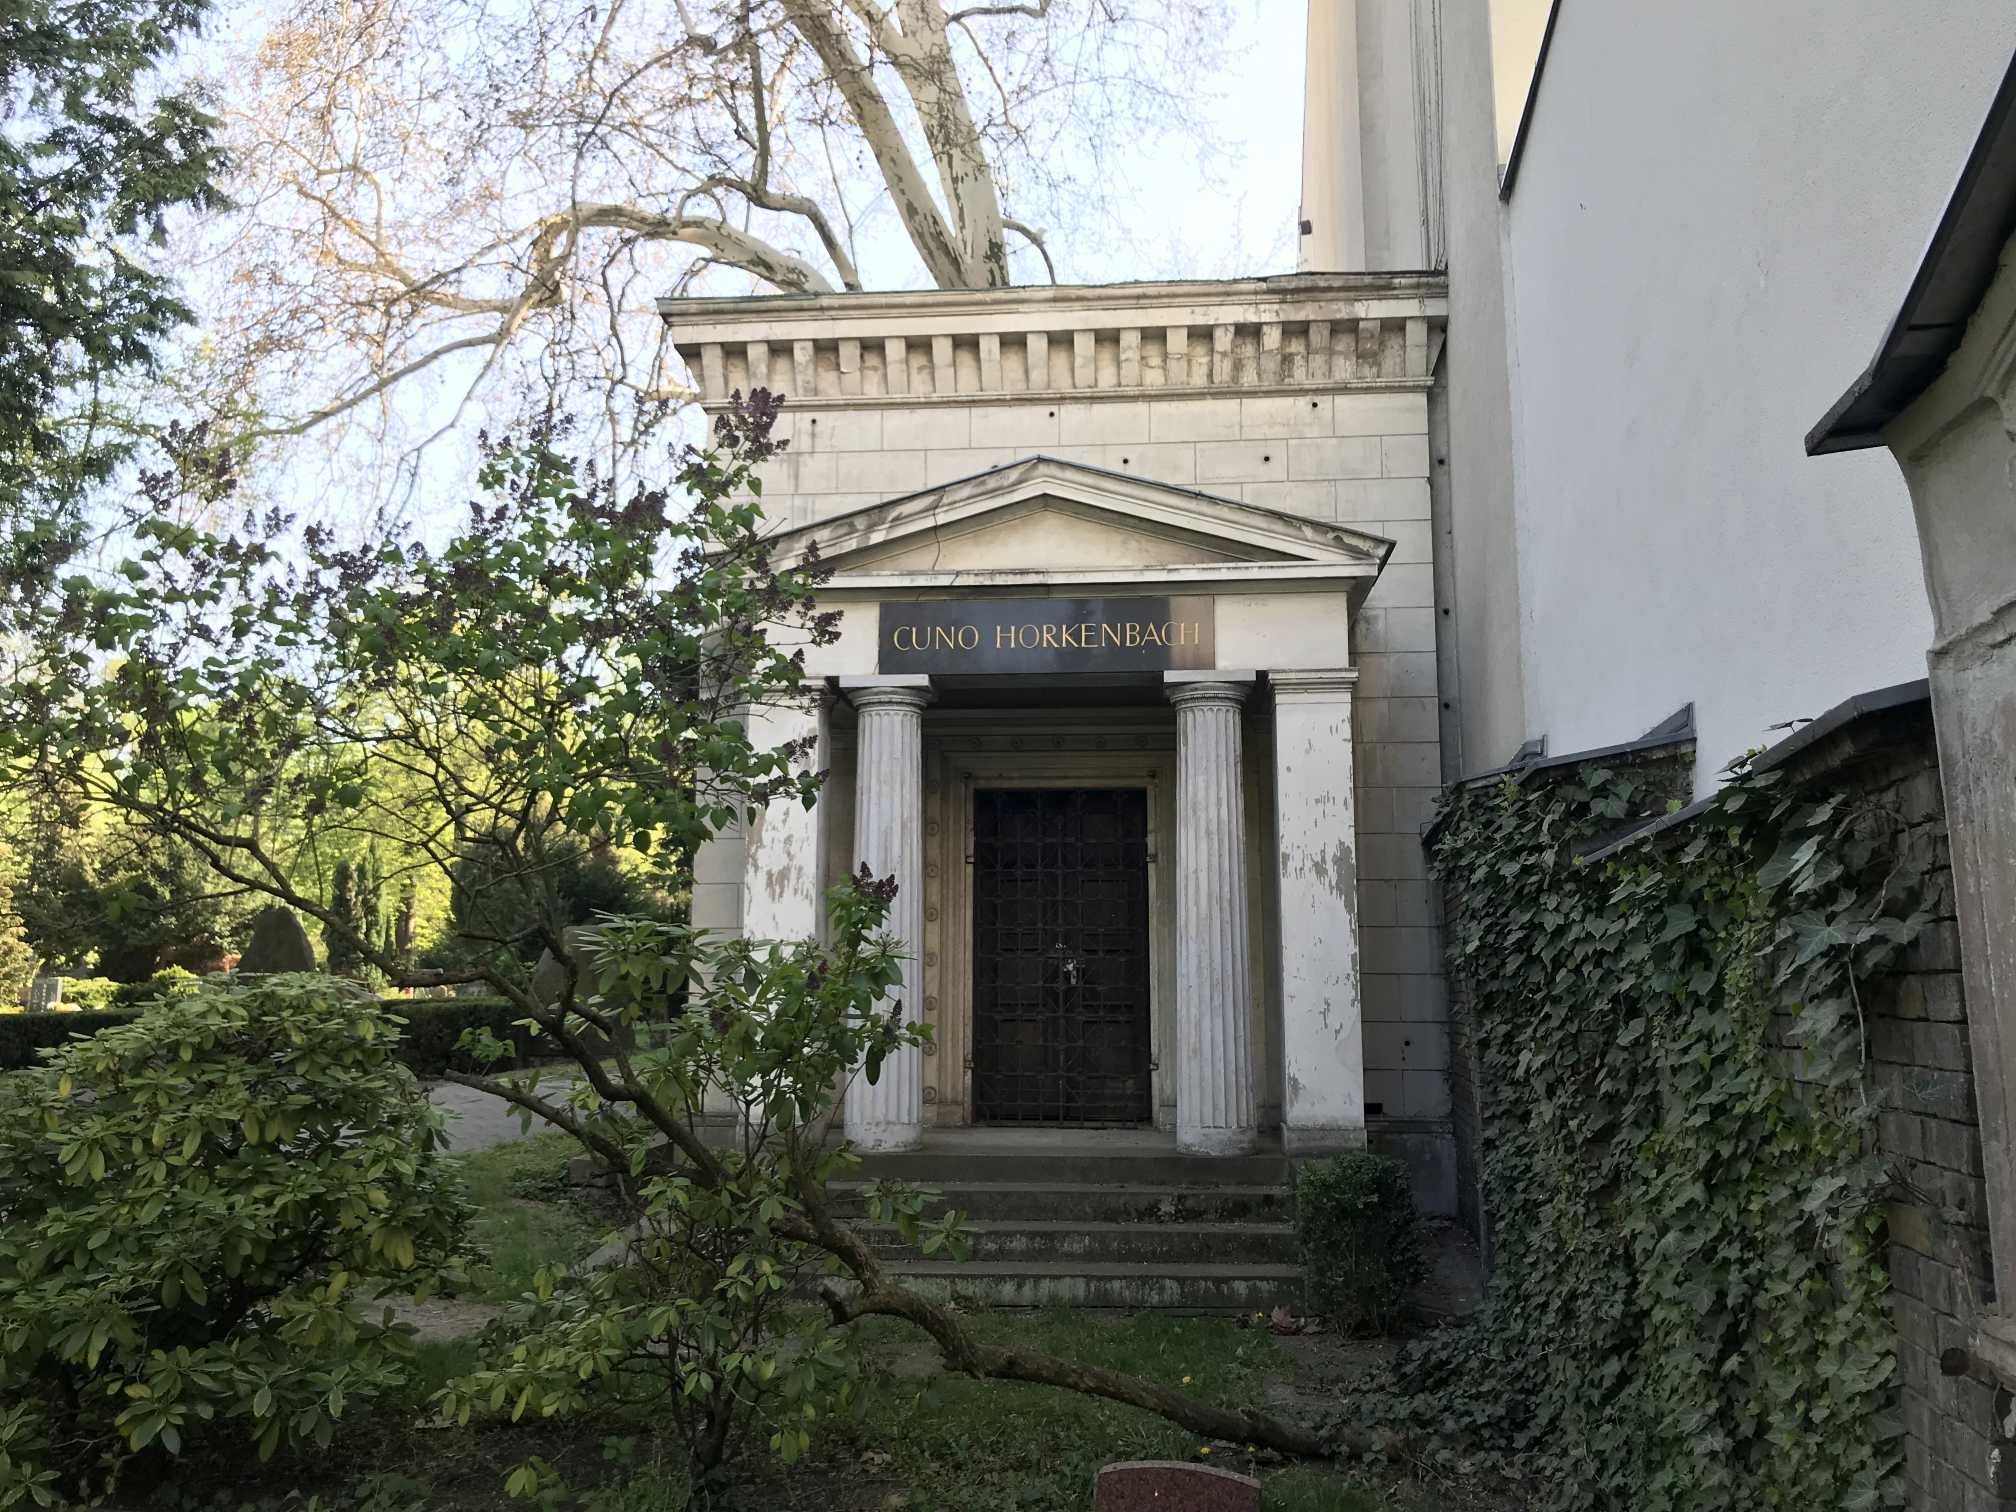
1482	616
1716	204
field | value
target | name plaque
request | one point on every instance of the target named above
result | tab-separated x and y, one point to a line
1048	635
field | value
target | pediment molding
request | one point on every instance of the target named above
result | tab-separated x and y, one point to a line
1234	540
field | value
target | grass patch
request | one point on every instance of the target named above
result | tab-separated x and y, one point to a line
957	1445
526	1214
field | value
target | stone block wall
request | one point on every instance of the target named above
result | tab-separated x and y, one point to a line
1958	1455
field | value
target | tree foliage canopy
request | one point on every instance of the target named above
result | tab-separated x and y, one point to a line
94	159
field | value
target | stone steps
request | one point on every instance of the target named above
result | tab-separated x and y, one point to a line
1090	1163
1090	1202
1078	1243
1093	1284
1096	1220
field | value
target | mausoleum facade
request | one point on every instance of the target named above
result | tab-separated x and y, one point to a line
1134	693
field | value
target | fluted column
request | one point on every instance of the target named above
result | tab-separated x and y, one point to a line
1214	983
889	841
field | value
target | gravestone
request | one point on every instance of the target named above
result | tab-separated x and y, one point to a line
45	993
279	943
583	944
1173	1486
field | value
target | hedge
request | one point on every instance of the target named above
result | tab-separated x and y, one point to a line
22	1034
433	1025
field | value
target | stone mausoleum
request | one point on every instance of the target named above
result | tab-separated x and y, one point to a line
1135	695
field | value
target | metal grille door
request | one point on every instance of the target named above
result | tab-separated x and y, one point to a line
1060	956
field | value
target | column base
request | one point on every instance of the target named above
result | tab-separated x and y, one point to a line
1217	1141
886	1138
1306	1142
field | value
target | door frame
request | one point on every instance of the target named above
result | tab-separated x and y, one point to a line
1152	772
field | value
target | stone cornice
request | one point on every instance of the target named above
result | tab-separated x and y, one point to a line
1332	684
1237	337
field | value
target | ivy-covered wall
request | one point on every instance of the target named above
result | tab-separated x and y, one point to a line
1723	1148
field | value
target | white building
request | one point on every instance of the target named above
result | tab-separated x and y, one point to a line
1135	695
1700	206
1406	521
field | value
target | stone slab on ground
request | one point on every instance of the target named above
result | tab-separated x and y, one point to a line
1174	1486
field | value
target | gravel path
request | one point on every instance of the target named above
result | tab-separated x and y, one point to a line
480	1121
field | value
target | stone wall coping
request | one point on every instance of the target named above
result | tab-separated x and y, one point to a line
1292	296
1868	724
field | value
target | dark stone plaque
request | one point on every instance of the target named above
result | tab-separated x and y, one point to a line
1048	635
1173	1486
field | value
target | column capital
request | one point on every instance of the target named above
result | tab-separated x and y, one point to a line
887	692
1193	689
1334	683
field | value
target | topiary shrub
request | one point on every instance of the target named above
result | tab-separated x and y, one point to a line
169	981
89	994
196	1208
432	1026
1360	1236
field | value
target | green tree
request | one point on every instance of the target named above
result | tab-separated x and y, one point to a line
344	948
18	959
574	668
94	160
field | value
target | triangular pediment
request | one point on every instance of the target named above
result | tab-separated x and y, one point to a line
1046	515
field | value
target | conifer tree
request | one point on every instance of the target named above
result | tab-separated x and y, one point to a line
345	953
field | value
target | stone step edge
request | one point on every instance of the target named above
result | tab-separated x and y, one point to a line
1075	1188
1102	1226
982	1270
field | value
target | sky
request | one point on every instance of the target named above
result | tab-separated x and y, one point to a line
1219	203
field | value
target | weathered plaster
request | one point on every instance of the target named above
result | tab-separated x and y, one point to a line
1316	871
783	862
1957	447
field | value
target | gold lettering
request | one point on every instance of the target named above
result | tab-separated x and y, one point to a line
1133	634
1088	635
1049	637
969	638
1109	635
897	639
1151	635
1004	637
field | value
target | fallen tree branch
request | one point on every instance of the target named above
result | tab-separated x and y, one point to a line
966	1356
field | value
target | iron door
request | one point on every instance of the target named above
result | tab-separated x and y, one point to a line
1060	956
